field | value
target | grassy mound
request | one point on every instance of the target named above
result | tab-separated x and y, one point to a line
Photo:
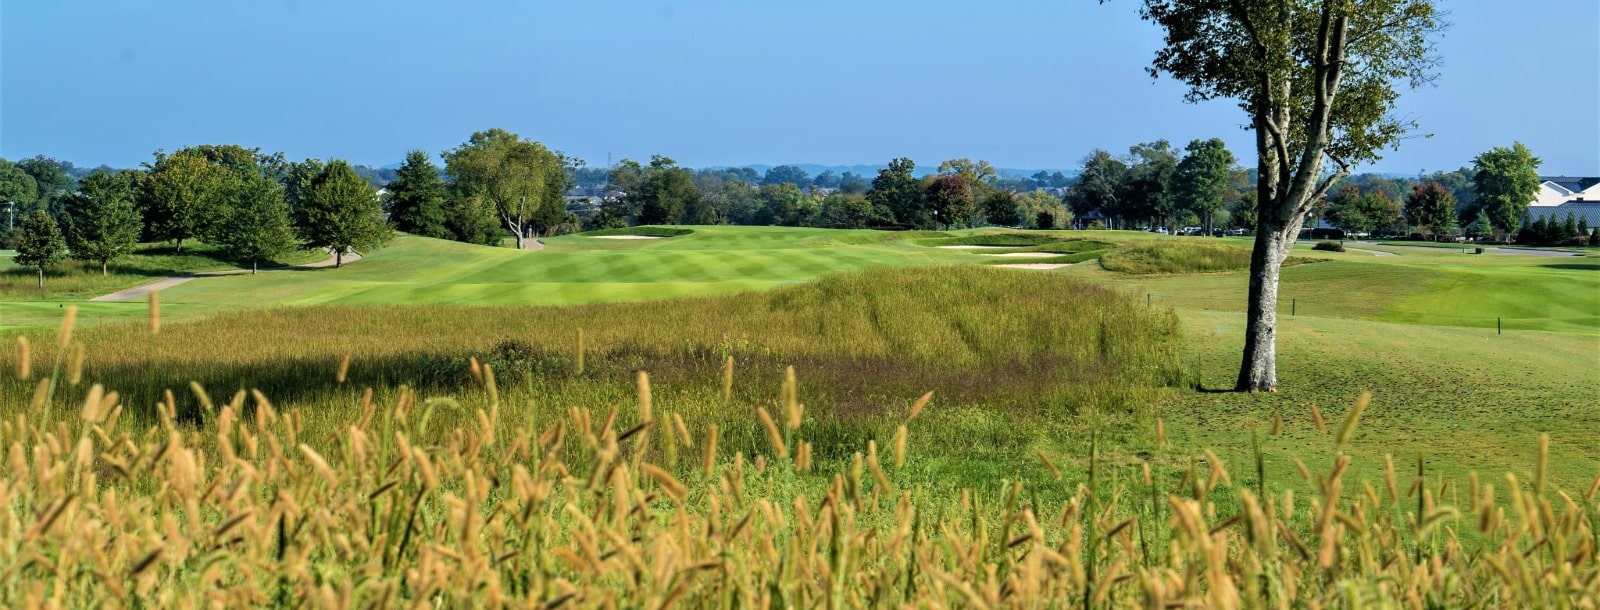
1175	256
646	231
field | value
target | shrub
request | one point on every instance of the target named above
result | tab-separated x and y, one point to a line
1328	246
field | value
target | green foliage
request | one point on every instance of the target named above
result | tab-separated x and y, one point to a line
1329	246
665	191
16	185
41	245
1202	180
895	189
101	221
255	224
179	200
1505	181
1001	208
785	205
948	199
341	212
1432	207
786	174
1363	213
1036	206
416	198
1173	256
1148	189
1100	185
846	211
521	179
49	175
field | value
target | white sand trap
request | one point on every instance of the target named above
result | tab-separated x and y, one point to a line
973	247
1027	254
1042	266
625	237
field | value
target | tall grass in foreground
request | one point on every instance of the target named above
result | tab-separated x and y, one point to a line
449	502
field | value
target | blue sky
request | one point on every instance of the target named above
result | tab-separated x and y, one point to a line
1022	83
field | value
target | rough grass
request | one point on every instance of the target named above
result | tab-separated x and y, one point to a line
988	342
1015	239
485	498
1176	257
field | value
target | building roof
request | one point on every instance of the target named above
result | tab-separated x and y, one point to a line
1589	210
1572	183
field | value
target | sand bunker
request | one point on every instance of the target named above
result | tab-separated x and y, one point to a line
1027	254
1043	266
973	247
625	237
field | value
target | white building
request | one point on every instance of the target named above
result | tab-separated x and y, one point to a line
1562	195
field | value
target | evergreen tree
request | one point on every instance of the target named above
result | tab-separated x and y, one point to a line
341	212
256	224
41	245
101	221
416	198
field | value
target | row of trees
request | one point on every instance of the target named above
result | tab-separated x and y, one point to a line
254	207
1153	185
1488	200
963	193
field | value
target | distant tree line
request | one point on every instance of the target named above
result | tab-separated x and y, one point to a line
256	206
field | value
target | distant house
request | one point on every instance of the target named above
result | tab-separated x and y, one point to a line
1559	196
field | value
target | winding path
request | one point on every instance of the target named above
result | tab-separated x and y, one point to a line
140	292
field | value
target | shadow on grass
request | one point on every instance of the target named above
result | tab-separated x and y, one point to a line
1575	266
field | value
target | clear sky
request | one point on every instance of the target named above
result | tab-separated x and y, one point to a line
1023	83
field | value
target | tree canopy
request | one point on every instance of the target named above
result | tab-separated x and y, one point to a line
522	179
101	220
1505	181
341	212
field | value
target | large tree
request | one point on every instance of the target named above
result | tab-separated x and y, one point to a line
255	224
1202	182
1362	213
101	221
665	193
1100	185
179	199
1505	181
1000	208
896	189
1431	208
949	200
1148	190
41	245
519	177
415	198
1318	79
341	212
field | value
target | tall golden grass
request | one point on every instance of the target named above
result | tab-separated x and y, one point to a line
378	506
